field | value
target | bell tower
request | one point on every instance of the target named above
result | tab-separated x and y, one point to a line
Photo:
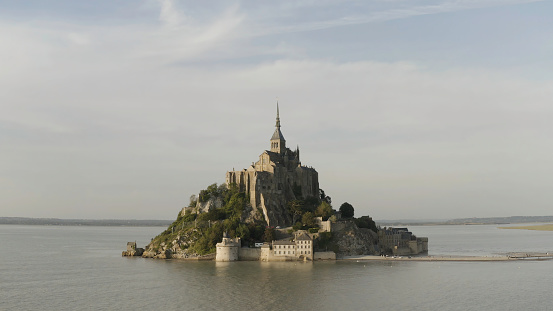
278	143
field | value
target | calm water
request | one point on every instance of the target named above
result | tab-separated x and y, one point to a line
81	268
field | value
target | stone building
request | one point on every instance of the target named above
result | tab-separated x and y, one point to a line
227	249
400	241
301	248
132	250
275	179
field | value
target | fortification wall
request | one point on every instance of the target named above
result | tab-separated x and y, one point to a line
324	256
249	254
325	226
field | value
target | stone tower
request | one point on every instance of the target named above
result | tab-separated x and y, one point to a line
278	143
276	179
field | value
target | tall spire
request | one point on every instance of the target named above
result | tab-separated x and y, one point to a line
278	143
278	118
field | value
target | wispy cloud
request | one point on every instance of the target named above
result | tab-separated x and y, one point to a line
169	14
371	13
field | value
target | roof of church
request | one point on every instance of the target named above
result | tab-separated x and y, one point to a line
273	156
277	135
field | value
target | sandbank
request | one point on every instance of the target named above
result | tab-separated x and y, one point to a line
548	227
511	257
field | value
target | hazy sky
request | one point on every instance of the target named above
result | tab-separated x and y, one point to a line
406	108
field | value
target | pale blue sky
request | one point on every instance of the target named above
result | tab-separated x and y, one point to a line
407	109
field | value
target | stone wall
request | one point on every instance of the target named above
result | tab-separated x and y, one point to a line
325	226
249	254
324	256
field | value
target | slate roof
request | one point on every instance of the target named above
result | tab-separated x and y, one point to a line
277	135
273	156
283	242
303	236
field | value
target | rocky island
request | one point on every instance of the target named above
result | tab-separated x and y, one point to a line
274	210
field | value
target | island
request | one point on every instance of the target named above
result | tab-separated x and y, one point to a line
274	210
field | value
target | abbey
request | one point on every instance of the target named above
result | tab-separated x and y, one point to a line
277	178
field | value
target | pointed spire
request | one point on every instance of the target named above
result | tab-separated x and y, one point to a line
277	118
278	143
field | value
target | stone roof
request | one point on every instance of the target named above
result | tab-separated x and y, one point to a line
273	156
303	236
277	135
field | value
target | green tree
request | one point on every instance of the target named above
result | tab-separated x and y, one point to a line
193	201
243	232
235	206
295	207
269	234
347	210
211	191
366	222
324	210
308	219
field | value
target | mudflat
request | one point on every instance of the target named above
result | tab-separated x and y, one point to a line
548	227
511	257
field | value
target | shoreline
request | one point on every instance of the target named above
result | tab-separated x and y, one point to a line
513	257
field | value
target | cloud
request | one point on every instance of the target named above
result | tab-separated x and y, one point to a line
139	116
369	128
169	15
370	12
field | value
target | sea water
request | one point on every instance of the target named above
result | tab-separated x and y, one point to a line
81	268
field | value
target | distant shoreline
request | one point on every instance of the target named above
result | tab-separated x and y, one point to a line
84	222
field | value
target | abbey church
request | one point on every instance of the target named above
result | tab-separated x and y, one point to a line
277	178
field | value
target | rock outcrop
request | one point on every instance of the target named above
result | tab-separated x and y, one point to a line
352	240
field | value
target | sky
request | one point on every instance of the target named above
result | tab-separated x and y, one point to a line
408	109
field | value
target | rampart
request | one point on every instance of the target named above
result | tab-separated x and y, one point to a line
324	256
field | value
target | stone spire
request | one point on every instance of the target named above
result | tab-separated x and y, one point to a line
277	119
278	143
